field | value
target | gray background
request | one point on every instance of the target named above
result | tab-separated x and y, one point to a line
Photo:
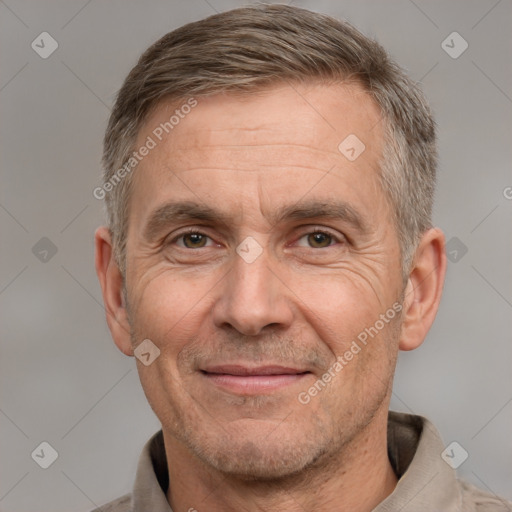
62	379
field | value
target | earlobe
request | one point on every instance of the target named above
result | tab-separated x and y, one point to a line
111	281
424	288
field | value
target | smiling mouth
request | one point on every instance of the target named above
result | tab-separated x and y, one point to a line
252	381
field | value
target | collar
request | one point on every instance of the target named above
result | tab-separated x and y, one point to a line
426	481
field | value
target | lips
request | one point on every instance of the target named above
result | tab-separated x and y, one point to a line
247	380
240	370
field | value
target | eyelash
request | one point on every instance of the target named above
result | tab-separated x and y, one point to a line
195	231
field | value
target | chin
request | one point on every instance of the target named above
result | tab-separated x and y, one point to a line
261	460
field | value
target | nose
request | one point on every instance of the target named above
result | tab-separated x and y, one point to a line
253	297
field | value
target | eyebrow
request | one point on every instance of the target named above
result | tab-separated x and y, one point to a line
180	211
328	209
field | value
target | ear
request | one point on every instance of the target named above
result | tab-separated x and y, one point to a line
424	289
111	281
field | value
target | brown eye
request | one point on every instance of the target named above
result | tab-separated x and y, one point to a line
194	240
319	240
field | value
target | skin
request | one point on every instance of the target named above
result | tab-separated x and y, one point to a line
300	303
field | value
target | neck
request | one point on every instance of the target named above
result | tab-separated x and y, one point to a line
356	479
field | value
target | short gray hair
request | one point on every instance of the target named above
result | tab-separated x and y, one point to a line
246	49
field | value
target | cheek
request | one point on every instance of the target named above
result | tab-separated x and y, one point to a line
168	309
359	328
339	308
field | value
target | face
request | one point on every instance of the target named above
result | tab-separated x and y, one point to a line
264	265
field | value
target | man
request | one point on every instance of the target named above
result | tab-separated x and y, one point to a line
269	178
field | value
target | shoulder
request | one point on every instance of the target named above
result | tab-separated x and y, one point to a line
477	500
122	504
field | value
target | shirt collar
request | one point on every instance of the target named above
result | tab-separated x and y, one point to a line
152	478
426	482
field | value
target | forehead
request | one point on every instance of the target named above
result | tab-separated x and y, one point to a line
284	133
315	115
